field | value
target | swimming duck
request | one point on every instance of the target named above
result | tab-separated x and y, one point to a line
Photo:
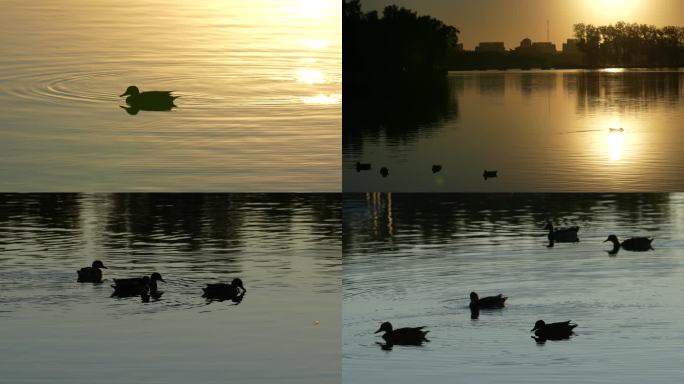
402	336
562	235
616	130
553	331
384	172
637	244
362	167
137	285
490	174
91	274
148	101
436	168
221	291
490	302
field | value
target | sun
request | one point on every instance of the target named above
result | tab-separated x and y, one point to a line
614	9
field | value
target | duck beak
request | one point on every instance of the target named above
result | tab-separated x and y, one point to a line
124	94
378	331
533	329
162	280
104	267
605	240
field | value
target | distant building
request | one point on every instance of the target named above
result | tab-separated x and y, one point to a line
571	47
541	48
497	47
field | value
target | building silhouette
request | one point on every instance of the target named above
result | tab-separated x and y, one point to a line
493	47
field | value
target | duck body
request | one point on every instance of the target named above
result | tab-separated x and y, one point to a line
92	274
553	331
490	302
136	286
402	336
490	174
384	171
222	291
634	244
362	167
562	235
148	101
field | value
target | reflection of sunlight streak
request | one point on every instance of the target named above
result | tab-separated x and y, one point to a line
323	99
310	76
615	146
613	70
315	44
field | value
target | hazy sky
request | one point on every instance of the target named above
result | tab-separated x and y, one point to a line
512	20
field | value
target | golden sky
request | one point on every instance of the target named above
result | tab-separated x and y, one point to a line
512	20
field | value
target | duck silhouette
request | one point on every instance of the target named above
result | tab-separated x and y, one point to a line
490	174
137	286
436	168
147	101
402	336
553	331
634	244
221	291
384	172
362	167
92	274
490	302
562	235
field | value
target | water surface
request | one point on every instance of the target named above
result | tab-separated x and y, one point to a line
542	130
259	83
413	260
285	248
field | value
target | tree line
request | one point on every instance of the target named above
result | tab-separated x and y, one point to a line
630	45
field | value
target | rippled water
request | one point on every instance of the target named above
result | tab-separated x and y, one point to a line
413	259
286	249
542	130
259	83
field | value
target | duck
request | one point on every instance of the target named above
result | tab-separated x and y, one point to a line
137	285
490	174
92	274
562	235
402	336
637	244
436	168
362	167
616	130
148	101
489	302
384	172
221	291
553	331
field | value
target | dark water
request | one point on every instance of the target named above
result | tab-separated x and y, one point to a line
413	259
259	85
542	130
286	249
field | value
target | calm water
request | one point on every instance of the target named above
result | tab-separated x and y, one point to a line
413	259
285	248
259	80
542	130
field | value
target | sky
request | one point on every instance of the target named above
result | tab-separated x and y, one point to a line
512	20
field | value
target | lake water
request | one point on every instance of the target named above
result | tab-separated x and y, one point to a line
542	130
413	259
259	80
285	248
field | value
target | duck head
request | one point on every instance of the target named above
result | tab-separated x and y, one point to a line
385	327
538	325
237	283
549	225
613	239
98	264
474	297
156	277
131	91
